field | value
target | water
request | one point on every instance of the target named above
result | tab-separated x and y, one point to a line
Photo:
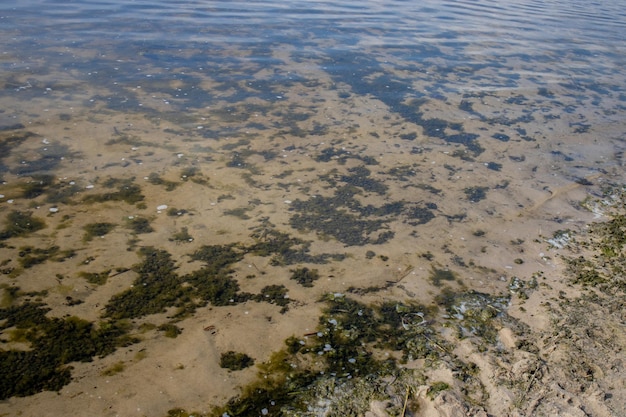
393	137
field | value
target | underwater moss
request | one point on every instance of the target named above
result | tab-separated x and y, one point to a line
235	361
305	276
116	368
337	361
173	211
55	342
320	214
217	257
421	215
182	236
36	186
97	278
285	249
435	388
239	212
438	275
127	192
170	330
155	179
97	230
215	287
19	223
30	256
274	294
474	313
156	288
360	177
139	225
475	194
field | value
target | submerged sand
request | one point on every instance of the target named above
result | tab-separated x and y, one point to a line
485	178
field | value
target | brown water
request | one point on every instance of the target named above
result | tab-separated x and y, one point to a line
395	137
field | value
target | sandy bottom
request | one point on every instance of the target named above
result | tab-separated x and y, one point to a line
237	187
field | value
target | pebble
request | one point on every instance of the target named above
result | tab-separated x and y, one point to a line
162	207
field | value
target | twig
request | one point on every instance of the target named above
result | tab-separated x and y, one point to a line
406	400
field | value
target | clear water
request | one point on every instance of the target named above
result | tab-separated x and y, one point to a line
449	127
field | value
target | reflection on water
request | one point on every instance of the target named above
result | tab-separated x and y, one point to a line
372	139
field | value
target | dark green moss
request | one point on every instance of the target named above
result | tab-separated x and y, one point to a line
97	230
215	287
305	276
475	194
585	272
29	256
19	223
127	192
216	257
235	361
343	350
325	216
360	177
420	215
156	288
239	212
438	275
37	185
182	236
139	225
435	388
494	166
274	294
475	314
173	212
285	249
54	343
155	179
170	330
97	278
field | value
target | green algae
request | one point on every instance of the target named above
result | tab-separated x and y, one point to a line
139	225
170	330
436	387
235	361
475	194
37	185
98	229
474	314
97	278
331	216
30	256
54	344
127	192
21	223
285	249
156	179
437	276
339	361
181	236
239	212
305	276
114	369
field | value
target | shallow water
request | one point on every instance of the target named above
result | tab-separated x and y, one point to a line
387	135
